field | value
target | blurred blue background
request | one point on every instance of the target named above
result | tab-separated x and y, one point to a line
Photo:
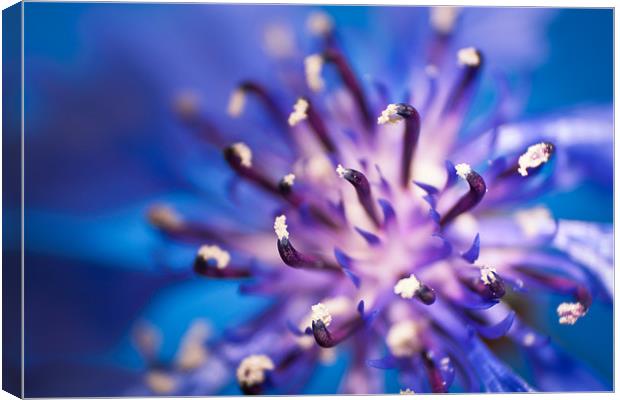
99	81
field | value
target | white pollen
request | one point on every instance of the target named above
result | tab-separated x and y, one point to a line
186	103
389	115
403	338
463	170
535	221
280	227
407	287
251	370
236	103
289	179
340	170
444	18
468	56
314	67
488	275
321	313
299	112
406	391
164	217
160	382
569	313
221	257
529	339
535	156
319	23
244	152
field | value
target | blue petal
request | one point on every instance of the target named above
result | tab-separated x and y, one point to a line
494	374
346	263
498	330
371	238
388	212
472	254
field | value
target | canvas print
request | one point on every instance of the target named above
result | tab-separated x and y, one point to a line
228	199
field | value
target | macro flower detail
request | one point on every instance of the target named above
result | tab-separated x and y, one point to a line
396	239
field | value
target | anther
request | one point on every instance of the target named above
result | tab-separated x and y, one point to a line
362	187
443	19
398	112
252	372
403	338
569	313
477	189
411	287
535	156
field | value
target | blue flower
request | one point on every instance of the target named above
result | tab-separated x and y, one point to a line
354	181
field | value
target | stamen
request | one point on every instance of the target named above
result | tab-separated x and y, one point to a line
389	115
535	222
293	258
340	170
569	313
299	112
362	187
469	57
488	275
320	24
327	339
411	287
192	352
403	338
160	382
350	81
321	313
243	152
535	156
280	227
443	19
286	183
407	287
314	67
477	189
252	370
164	217
397	112
236	103
304	110
186	104
463	170
215	254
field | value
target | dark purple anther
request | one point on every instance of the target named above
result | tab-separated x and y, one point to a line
209	268
477	189
350	81
295	259
426	295
362	187
325	338
489	285
410	139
